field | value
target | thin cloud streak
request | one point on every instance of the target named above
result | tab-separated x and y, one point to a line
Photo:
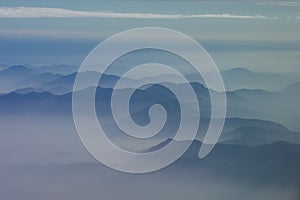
280	3
43	12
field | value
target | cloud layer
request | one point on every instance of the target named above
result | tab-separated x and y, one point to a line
42	12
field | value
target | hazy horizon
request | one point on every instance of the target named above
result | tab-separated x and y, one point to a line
252	35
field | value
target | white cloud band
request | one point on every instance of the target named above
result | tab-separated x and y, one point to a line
42	12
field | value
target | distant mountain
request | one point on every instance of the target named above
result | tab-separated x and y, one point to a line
238	72
67	82
255	136
236	123
280	106
234	79
293	89
18	71
58	69
27	90
254	93
23	76
254	132
38	80
10	77
249	104
250	132
242	103
240	78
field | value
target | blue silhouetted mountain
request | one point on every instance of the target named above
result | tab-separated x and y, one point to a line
248	132
67	82
236	131
17	71
58	69
240	78
10	77
237	78
244	103
238	72
291	90
255	136
280	106
28	90
38	80
21	76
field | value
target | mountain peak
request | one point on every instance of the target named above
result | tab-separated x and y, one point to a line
238	70
293	88
17	68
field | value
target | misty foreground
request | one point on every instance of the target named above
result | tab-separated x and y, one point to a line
229	172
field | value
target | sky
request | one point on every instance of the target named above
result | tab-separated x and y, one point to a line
261	36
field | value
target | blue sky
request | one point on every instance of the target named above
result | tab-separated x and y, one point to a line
258	35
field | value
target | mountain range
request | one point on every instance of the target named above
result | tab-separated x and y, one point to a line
242	103
252	114
22	76
256	157
240	78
